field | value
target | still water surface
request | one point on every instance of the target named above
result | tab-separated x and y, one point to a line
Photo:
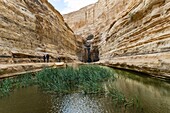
153	96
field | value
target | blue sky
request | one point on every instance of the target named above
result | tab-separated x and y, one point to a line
66	6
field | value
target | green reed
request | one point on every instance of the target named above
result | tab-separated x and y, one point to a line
9	84
85	78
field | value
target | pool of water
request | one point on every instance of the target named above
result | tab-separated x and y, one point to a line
153	96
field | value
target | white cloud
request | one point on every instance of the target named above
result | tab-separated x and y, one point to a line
73	5
56	0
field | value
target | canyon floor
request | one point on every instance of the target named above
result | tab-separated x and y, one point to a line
8	70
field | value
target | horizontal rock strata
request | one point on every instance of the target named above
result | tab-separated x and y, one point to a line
132	34
30	28
9	70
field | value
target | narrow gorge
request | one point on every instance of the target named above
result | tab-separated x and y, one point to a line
30	28
128	34
112	56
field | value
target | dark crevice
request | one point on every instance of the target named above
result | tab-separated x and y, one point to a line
89	52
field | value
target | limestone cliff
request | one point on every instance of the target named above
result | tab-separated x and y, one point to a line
132	34
30	28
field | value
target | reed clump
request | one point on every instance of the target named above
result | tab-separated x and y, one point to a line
87	78
9	84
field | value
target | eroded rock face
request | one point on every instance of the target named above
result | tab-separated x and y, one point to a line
132	34
29	28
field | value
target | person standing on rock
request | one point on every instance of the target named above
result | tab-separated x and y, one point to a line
47	57
44	57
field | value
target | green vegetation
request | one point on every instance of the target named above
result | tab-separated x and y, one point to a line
119	99
7	85
125	104
86	78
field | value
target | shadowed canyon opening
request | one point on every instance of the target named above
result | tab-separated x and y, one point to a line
63	61
89	51
128	34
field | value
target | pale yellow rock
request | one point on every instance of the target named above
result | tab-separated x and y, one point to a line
133	34
30	28
8	70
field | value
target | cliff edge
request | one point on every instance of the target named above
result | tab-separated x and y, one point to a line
30	28
131	34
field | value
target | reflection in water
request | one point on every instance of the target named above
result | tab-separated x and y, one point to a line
153	95
25	100
79	103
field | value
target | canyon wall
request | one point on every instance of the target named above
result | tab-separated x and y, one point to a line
130	34
30	28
